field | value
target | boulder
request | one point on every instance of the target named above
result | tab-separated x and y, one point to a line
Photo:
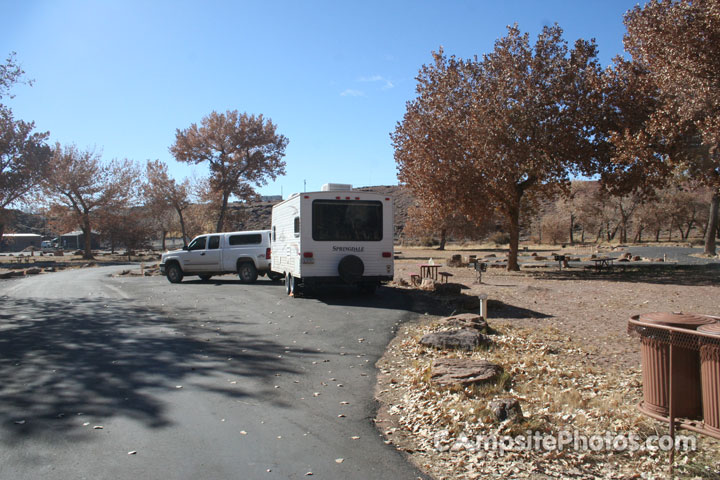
465	320
464	339
32	271
636	258
427	284
463	371
506	408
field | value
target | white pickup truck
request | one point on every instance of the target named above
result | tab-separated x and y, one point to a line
245	253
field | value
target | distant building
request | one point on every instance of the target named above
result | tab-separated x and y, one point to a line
76	241
17	242
271	198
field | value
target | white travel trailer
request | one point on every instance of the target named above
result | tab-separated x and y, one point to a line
333	236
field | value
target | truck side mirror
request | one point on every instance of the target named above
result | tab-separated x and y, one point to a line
185	247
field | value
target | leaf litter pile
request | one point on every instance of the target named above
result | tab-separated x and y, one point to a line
559	389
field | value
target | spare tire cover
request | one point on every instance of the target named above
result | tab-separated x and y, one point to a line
351	268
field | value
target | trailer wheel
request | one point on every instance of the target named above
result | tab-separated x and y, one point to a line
292	285
351	269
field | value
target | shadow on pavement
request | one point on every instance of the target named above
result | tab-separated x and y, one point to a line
104	358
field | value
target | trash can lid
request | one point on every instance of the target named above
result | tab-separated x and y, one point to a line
682	320
712	329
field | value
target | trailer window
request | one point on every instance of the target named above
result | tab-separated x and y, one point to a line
245	239
296	226
347	220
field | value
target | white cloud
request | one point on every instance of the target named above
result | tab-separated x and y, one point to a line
352	93
387	84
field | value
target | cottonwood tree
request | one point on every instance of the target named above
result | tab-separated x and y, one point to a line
241	150
485	133
23	153
678	44
23	160
83	184
161	192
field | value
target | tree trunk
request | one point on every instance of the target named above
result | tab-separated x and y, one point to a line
182	227
87	235
221	216
514	217
164	235
443	239
582	235
657	236
712	224
572	227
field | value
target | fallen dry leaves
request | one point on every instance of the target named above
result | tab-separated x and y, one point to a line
558	390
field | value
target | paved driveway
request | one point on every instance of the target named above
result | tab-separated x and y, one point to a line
135	378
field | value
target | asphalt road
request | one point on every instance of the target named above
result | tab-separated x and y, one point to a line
213	380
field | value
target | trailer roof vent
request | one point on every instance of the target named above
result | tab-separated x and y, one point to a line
333	187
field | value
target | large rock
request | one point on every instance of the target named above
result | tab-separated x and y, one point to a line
506	408
465	320
464	339
454	371
427	284
32	271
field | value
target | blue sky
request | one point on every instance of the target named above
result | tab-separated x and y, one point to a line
122	76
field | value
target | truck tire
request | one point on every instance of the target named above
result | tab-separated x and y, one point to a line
247	272
174	273
351	269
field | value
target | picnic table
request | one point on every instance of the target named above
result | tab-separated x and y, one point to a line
429	270
603	263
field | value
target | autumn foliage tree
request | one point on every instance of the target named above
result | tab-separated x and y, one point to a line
162	192
677	44
241	150
86	187
485	133
23	152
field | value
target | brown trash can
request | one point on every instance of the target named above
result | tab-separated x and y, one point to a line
710	372
686	392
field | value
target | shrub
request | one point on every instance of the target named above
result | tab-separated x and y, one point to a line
500	238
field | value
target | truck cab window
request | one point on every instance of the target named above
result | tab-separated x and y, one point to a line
197	244
214	242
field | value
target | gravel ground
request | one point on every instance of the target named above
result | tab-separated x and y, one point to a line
591	380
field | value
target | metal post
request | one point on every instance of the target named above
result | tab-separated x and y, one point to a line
483	305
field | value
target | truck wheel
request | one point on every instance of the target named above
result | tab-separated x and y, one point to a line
274	276
205	278
247	272
174	273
